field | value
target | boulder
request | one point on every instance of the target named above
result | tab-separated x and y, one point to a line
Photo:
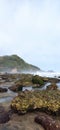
3	89
48	101
4	115
16	88
47	122
37	80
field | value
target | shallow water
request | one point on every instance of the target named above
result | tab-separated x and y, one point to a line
10	95
58	84
5	99
7	96
36	88
39	88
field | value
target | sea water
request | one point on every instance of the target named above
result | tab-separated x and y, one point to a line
48	74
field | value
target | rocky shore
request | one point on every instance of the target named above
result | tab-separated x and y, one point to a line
19	109
45	100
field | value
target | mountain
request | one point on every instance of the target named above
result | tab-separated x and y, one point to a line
15	63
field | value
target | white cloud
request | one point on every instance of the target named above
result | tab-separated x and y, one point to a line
31	29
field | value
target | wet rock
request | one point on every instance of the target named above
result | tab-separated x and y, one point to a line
27	80
23	81
48	101
4	116
53	86
37	80
25	122
58	76
3	89
53	80
47	122
16	88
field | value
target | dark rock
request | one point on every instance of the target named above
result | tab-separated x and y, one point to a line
16	88
58	76
3	89
47	122
4	116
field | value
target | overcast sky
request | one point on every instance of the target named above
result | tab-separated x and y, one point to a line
31	29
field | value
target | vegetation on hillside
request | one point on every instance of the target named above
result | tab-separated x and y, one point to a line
7	63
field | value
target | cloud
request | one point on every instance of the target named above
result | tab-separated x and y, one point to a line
31	29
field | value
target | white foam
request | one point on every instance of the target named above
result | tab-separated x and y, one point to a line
48	74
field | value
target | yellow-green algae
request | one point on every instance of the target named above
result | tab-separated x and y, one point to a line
37	99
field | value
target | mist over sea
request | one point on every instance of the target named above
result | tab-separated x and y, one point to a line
48	74
40	73
44	73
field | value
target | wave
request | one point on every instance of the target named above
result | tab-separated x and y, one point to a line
48	74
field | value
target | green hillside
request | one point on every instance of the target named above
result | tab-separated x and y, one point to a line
15	63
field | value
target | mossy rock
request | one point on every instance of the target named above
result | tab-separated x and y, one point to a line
37	80
32	100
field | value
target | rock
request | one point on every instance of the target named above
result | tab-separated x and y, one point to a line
16	88
3	89
4	116
47	122
25	80
37	80
25	122
48	101
53	86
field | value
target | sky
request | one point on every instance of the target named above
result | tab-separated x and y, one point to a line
31	29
